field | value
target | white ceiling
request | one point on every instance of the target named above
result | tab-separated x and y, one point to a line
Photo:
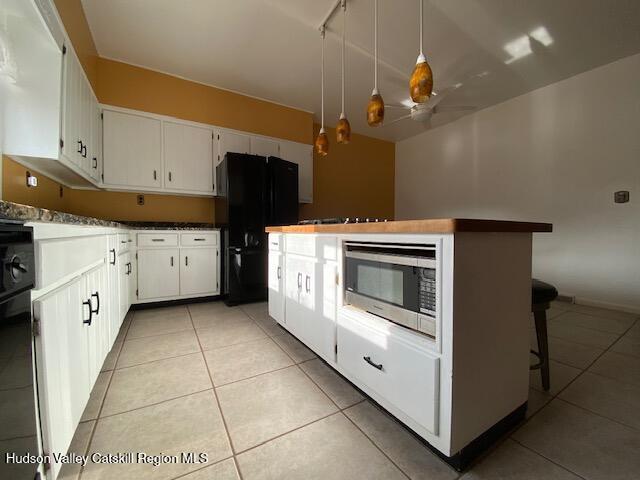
271	48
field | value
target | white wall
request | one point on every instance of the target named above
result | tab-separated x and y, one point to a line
556	155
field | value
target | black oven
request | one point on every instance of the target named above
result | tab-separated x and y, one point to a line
18	425
398	282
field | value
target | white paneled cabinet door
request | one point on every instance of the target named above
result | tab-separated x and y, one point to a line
99	329
158	273
188	158
132	150
198	271
124	276
293	285
276	285
71	145
114	290
63	375
95	165
264	147
302	154
232	142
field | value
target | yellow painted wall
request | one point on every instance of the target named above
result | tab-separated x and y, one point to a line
353	180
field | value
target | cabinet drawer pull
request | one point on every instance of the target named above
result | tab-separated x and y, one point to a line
157	239
372	363
88	321
123	241
299	281
307	283
199	239
279	273
97	296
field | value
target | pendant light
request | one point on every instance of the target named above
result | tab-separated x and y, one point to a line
421	81
343	129
375	108
322	142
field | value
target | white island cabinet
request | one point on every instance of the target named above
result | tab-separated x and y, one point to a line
455	369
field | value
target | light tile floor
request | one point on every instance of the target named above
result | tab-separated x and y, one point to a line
231	383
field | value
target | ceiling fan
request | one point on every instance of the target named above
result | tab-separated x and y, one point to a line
422	112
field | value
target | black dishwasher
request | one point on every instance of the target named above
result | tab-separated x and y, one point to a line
18	425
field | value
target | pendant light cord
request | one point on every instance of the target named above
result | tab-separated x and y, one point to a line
322	81
375	45
344	29
421	26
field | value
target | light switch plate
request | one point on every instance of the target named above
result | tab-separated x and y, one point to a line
621	197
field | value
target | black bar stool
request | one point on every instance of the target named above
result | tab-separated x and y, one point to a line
541	295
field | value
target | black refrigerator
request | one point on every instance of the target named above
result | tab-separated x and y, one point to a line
255	192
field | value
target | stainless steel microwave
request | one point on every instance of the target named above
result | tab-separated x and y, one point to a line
398	282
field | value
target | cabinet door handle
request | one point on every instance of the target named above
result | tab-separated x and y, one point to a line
169	176
307	283
299	281
84	151
113	252
80	146
186	261
172	261
128	265
95	162
155	175
279	273
372	363
88	304
97	296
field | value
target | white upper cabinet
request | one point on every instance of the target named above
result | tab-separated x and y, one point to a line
132	150
265	147
232	142
302	154
188	157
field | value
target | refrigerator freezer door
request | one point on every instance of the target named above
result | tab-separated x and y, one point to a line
283	190
247	273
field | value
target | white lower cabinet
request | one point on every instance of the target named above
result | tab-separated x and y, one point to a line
173	266
98	335
115	318
307	314
159	274
391	369
124	283
198	267
276	286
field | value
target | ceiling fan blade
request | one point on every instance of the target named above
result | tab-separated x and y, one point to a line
396	105
397	119
454	108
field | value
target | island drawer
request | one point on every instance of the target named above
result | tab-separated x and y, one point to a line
198	239
275	242
157	240
400	372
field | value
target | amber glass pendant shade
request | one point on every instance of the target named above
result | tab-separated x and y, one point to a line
343	130
421	82
322	143
375	110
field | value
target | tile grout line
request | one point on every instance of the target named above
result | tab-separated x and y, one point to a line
182	475
546	458
215	394
106	391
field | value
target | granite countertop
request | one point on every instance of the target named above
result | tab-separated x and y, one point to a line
438	225
28	213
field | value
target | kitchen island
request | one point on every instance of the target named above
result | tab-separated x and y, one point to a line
430	318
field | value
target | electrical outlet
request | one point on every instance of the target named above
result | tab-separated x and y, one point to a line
140	199
621	197
32	181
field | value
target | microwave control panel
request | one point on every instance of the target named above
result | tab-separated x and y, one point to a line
427	283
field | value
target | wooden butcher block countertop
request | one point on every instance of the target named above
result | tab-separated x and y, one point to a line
436	225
